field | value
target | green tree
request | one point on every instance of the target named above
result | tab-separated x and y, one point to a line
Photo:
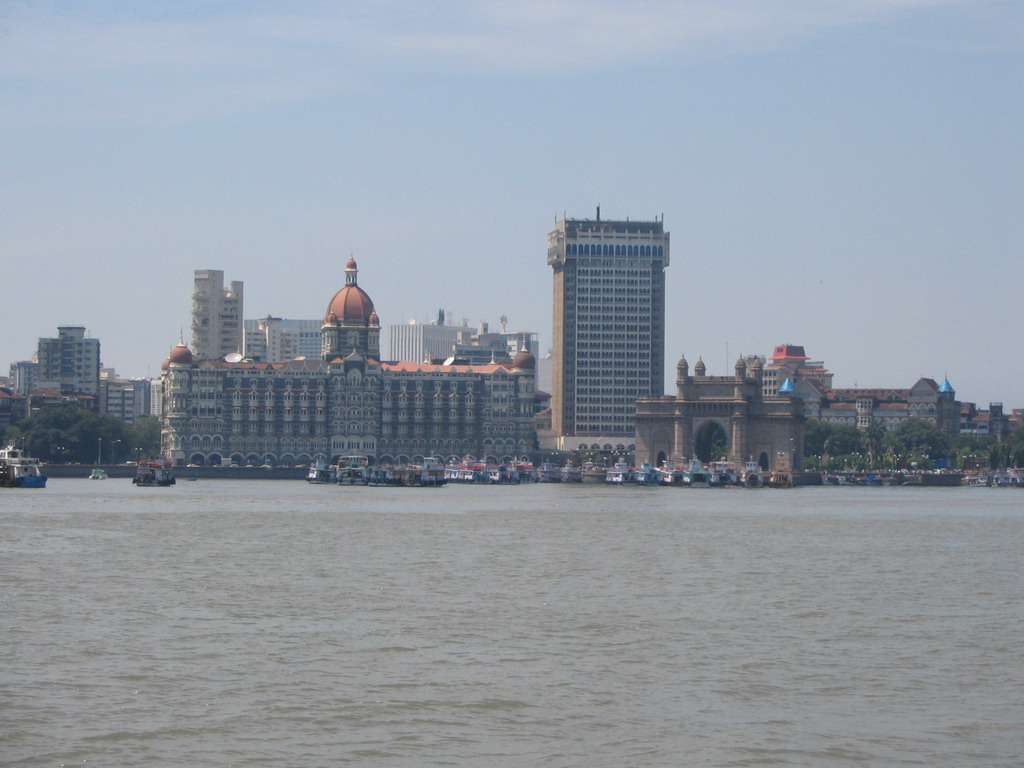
917	440
72	435
144	438
816	433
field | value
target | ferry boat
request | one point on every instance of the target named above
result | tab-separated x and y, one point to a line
647	475
549	473
620	474
353	470
695	476
752	476
19	470
429	474
571	474
154	473
466	471
320	472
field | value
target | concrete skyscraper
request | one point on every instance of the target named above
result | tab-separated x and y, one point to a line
608	344
216	315
70	362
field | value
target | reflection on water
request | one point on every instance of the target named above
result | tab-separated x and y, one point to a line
237	623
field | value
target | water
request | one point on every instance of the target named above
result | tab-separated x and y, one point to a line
247	623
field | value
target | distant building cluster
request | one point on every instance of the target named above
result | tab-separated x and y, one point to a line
66	369
278	391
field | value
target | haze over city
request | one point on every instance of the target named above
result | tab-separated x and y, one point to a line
843	176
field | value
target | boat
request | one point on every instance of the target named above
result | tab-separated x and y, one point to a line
98	474
320	472
695	476
156	472
467	471
672	472
571	474
722	474
19	470
429	474
752	476
352	470
620	474
647	475
502	475
549	473
780	478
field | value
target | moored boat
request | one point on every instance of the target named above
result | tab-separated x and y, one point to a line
320	472
98	474
620	474
19	470
695	476
154	473
352	470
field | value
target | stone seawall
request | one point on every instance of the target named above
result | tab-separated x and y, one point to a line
181	473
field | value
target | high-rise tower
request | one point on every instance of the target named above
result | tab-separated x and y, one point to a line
609	326
216	315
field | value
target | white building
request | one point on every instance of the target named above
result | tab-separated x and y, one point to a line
216	315
417	342
275	340
69	363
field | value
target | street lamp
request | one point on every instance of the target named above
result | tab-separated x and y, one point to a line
99	450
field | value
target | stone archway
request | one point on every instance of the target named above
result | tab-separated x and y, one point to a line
710	441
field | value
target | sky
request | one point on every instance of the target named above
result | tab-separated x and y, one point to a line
847	175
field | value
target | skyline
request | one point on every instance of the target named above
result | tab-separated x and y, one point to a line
846	178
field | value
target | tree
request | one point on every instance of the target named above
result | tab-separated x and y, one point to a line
144	438
67	434
918	440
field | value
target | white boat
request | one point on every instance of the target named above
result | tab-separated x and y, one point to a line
321	472
620	474
98	474
647	475
19	470
154	473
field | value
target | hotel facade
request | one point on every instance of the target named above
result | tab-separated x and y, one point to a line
347	402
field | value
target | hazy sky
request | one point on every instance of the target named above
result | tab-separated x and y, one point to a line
843	174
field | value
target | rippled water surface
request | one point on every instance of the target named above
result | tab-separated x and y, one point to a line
240	623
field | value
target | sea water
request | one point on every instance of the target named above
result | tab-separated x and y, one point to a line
276	623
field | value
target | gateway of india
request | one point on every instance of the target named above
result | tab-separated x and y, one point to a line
228	410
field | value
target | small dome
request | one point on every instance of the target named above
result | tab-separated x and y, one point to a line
524	360
700	369
179	355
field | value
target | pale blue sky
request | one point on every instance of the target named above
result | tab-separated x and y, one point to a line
847	175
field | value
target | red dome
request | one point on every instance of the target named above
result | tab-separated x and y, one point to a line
525	361
180	355
351	304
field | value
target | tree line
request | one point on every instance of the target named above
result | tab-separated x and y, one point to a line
914	443
70	435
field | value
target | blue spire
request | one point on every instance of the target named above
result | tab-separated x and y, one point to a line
945	386
786	388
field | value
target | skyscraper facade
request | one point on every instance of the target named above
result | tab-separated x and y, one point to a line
608	343
216	315
70	362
